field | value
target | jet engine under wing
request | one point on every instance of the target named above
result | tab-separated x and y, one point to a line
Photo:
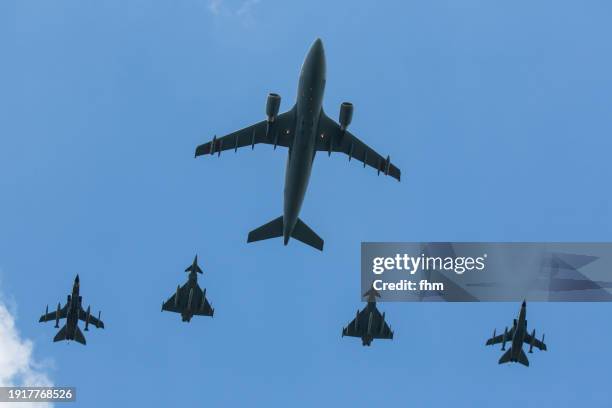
331	138
500	338
92	319
536	343
52	315
280	132
379	328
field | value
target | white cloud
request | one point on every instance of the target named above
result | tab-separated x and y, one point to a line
17	365
243	12
246	7
215	6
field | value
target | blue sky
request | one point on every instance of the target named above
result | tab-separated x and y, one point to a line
497	113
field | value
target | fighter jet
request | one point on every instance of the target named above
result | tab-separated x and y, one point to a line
517	335
72	312
305	130
189	300
369	324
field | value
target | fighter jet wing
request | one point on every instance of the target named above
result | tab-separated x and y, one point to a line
382	330
500	338
354	327
199	303
280	132
171	305
205	308
358	327
52	315
536	343
332	139
92	319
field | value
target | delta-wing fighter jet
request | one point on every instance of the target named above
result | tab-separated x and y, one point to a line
517	335
72	312
189	299
305	130
369	324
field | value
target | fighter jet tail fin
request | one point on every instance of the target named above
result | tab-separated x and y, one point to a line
273	229
190	268
522	358
61	335
302	232
506	356
78	336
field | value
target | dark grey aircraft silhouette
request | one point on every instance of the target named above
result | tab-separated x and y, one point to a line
189	300
305	129
72	312
369	324
517	335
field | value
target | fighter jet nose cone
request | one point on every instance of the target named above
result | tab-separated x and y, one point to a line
77	278
524	303
286	239
317	46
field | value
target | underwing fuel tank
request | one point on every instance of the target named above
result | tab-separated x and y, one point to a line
87	318
190	299
176	297
57	316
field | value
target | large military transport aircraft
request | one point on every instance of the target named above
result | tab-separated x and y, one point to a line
305	130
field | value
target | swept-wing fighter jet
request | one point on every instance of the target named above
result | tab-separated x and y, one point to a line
369	324
305	130
72	312
517	335
189	300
